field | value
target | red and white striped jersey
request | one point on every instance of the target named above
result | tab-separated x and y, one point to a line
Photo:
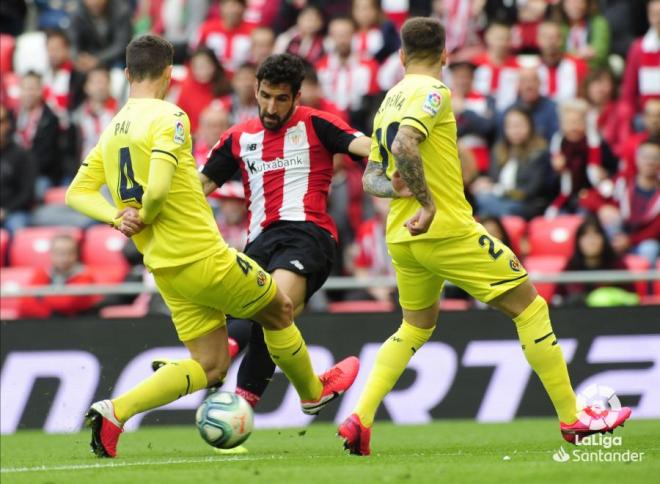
232	46
286	173
562	82
499	81
346	83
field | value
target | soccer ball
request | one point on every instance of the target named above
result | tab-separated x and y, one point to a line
225	420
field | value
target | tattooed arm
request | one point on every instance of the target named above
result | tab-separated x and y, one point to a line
375	182
405	149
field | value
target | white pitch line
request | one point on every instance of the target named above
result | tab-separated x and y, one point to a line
82	467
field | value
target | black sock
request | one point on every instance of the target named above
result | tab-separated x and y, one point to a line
239	330
257	368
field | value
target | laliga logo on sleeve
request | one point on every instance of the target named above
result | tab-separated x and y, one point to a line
600	407
179	133
432	103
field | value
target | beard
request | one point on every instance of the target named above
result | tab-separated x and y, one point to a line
272	122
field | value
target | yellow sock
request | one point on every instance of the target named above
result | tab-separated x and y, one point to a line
172	381
288	350
391	360
544	355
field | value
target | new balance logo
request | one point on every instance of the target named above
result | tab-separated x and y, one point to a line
252	146
297	264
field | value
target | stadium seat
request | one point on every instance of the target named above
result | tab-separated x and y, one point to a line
13	279
108	274
6	52
516	228
103	246
546	264
553	236
31	246
4	245
366	306
55	196
637	263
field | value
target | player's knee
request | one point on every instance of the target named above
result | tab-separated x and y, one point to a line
215	367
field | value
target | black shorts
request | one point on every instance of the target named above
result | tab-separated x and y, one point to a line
300	247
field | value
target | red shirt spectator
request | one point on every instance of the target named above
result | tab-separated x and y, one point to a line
344	77
561	74
65	271
376	37
641	80
497	69
629	149
525	32
228	36
305	38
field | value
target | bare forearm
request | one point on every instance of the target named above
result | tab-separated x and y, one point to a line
409	164
375	182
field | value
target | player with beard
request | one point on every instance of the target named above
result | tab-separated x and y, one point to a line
285	159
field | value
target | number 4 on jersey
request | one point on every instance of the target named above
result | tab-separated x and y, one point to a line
129	189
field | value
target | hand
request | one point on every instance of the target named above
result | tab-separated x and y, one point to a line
400	186
86	62
421	221
558	162
621	243
130	223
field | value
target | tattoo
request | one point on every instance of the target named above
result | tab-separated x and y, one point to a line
405	149
375	181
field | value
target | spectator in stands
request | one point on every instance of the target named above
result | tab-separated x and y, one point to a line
228	36
641	80
311	95
542	108
66	270
346	79
62	83
592	252
635	222
525	32
100	33
176	20
213	121
18	173
376	37
232	217
370	256
581	161
519	166
587	33
475	113
96	112
305	39
242	103
205	81
497	68
461	19
605	115
561	74
390	72
651	122
38	131
262	44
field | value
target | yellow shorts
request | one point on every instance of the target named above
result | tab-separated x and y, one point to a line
476	262
199	294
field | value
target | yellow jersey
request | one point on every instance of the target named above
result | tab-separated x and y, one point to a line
424	103
145	129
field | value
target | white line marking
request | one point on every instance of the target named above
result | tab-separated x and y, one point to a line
82	467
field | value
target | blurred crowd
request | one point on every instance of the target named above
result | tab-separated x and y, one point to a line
557	105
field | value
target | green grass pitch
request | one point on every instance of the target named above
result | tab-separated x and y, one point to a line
446	451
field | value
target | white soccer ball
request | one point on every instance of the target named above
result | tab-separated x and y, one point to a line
225	420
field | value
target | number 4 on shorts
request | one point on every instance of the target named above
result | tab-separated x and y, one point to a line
243	264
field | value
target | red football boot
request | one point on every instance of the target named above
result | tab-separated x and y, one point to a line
106	429
600	421
356	436
335	381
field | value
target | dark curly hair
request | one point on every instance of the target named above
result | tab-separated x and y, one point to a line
282	69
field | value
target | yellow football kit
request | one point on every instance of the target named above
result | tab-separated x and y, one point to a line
455	248
198	275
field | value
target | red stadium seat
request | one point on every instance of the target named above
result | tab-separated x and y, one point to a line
55	196
637	263
366	306
516	228
103	246
4	245
31	246
103	274
546	264
553	236
13	279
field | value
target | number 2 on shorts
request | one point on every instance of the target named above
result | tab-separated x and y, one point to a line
491	246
